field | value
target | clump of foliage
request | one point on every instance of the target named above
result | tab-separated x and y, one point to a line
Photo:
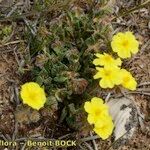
61	53
5	32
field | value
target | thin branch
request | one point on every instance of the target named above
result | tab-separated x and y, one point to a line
23	147
15	131
133	9
144	83
118	140
108	97
2	136
139	92
64	136
82	148
90	138
88	146
94	142
11	43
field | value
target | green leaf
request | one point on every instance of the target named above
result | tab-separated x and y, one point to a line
60	79
71	121
63	115
51	100
72	109
39	80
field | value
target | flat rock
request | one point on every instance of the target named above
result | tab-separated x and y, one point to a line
125	118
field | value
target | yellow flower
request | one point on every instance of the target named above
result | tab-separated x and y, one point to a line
106	60
110	76
128	80
33	95
125	44
104	127
99	116
95	109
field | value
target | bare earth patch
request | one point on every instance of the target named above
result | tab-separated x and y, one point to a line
8	69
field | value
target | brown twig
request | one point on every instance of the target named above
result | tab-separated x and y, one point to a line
139	92
88	146
90	138
11	43
132	9
144	83
15	131
94	143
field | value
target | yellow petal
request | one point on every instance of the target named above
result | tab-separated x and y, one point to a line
106	83
96	62
104	127
131	85
96	101
98	55
118	62
91	119
127	80
87	107
135	47
97	75
124	53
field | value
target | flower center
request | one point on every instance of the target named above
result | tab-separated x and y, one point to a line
97	113
126	79
125	43
107	58
32	95
107	73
